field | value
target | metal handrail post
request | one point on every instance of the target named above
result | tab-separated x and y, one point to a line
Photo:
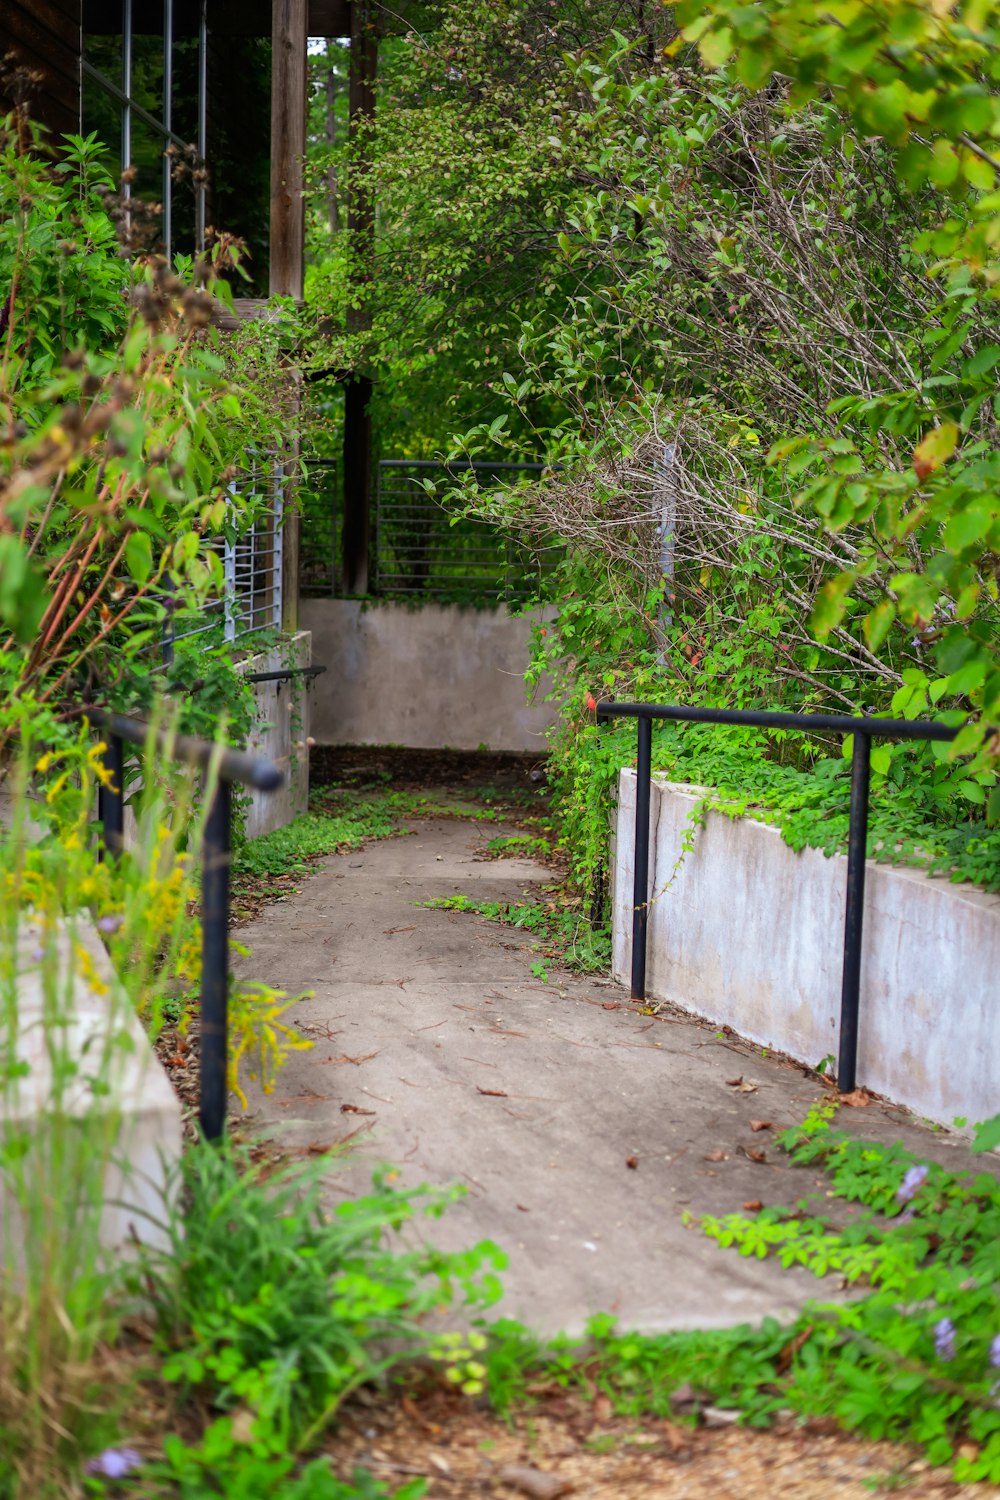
854	916
864	730
215	962
640	884
111	799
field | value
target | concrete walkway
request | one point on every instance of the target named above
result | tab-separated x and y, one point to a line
582	1128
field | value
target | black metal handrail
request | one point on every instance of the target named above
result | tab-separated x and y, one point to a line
228	767
864	730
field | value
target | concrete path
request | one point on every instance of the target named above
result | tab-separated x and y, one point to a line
582	1128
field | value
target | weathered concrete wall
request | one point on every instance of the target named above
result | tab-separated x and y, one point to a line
747	932
94	1114
431	676
281	733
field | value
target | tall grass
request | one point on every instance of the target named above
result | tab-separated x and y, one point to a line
75	1073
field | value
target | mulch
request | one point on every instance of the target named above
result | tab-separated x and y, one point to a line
567	1444
416	770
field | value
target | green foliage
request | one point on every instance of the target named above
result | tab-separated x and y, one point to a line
917	462
272	1304
777	429
914	1359
918	798
203	682
293	849
518	845
122	433
563	934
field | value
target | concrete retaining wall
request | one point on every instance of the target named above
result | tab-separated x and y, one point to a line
430	676
94	1120
282	729
749	933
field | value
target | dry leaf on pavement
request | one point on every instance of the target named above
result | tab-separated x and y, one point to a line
535	1483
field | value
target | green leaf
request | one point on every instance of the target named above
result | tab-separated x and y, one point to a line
830	605
878	623
987	1135
716	47
139	556
983	360
970	527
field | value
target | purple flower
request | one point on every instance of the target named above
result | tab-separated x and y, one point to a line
944	1339
109	924
995	1353
37	955
114	1463
914	1179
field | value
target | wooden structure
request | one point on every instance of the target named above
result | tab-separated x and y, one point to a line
195	76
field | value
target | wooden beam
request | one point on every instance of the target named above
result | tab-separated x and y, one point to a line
357	462
289	44
329	18
289	37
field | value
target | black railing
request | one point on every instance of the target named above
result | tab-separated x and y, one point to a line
227	767
864	731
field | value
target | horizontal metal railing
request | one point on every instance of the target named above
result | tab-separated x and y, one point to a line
864	730
228	767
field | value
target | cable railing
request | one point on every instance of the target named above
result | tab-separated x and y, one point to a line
421	548
864	730
252	558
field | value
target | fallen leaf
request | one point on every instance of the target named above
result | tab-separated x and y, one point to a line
436	1461
632	1162
602	1408
756	1125
683	1395
717	1156
788	1353
677	1438
534	1482
241	1426
734	1083
742	1085
856	1099
355	1109
521	1208
414	1413
755	1155
611	1005
753	1205
719	1416
492	1093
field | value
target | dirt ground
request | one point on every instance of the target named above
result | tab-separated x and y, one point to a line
569	1446
420	770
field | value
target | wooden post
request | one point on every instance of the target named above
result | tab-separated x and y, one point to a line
289	41
330	87
289	31
357	463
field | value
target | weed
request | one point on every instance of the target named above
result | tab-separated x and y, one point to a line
567	936
917	1359
518	844
270	1303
